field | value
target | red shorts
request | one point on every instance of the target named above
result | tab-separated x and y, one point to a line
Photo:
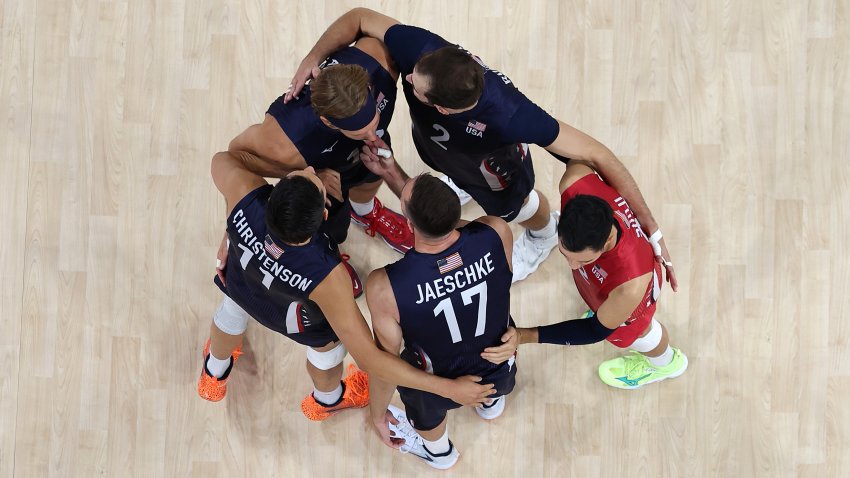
626	334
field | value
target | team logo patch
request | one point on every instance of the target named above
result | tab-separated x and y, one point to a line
600	273
449	263
272	249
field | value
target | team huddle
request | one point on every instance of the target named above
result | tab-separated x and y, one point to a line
447	300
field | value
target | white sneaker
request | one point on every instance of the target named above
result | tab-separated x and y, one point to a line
494	410
529	252
461	194
414	445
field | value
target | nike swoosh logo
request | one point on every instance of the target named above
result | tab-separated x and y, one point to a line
424	457
328	150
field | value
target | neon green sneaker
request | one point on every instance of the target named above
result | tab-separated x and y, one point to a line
634	371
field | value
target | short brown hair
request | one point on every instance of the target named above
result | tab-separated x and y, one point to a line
456	79
339	91
433	207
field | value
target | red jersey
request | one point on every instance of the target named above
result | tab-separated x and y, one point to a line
632	256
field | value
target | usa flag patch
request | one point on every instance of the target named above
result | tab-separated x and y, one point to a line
477	125
272	249
449	263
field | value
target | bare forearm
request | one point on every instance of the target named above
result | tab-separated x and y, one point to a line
528	336
396	179
392	369
380	394
341	33
616	175
260	166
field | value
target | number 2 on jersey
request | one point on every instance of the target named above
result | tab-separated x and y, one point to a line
440	138
445	307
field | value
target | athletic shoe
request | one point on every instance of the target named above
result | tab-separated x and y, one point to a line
529	252
462	195
634	371
414	445
493	410
355	394
356	284
209	387
390	225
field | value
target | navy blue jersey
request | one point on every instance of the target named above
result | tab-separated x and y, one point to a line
479	147
454	304
321	146
271	280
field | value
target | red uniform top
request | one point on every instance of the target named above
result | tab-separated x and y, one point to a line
631	257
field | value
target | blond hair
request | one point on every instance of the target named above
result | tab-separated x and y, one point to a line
339	91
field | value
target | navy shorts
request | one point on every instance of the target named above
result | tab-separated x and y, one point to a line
499	181
426	410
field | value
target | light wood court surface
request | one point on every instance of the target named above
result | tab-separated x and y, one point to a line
734	117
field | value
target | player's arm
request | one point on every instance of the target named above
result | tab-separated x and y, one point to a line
621	302
233	179
388	337
261	166
333	296
347	28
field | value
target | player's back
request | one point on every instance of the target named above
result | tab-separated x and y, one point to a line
455	303
272	280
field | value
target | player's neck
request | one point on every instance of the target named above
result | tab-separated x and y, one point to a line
431	245
450	111
612	240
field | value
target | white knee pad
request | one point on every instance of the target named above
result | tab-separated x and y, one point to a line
649	341
230	318
327	360
529	208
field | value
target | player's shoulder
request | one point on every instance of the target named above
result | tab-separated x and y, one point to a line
379	52
497	224
574	172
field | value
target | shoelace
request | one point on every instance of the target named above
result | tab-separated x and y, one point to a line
359	385
345	257
411	437
635	365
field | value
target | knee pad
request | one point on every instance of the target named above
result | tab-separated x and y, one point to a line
529	208
230	318
649	341
328	359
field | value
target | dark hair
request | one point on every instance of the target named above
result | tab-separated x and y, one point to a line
585	223
455	79
295	209
339	91
433	207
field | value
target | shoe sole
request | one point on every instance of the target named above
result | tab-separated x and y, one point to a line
674	375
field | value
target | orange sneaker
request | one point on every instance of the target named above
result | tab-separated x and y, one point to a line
355	394
390	225
209	387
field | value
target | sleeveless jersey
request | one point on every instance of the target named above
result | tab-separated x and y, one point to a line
271	280
454	304
631	257
321	146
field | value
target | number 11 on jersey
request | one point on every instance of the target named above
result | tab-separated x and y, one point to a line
446	308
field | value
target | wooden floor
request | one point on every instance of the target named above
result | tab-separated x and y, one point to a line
734	117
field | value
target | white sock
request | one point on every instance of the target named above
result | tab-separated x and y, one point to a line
362	208
662	360
328	398
217	366
440	446
548	230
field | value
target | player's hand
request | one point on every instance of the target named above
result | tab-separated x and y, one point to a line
382	428
377	164
467	391
662	255
308	69
221	259
500	353
333	186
